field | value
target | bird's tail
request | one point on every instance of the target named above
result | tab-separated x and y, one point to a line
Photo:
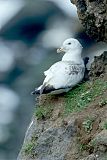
36	91
39	90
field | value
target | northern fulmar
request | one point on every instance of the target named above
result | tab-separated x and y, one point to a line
65	74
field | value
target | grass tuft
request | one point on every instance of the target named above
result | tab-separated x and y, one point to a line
105	126
102	102
29	148
88	124
43	112
83	147
79	98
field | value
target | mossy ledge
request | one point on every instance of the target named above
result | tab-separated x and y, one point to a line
75	100
65	126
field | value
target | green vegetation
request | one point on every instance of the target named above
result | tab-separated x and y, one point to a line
29	148
88	124
43	112
105	125
81	96
93	143
102	102
83	147
75	100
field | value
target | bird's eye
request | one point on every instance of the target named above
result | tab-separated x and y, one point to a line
69	43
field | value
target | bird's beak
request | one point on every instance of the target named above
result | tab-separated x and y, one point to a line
59	50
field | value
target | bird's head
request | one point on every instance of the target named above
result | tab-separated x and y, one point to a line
70	44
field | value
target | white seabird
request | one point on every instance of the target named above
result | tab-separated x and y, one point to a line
65	74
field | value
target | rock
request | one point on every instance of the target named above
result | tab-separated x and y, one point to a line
100	139
102	157
96	157
100	145
49	144
99	66
102	148
90	157
93	16
60	135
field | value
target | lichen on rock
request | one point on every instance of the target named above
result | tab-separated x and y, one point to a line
99	67
93	16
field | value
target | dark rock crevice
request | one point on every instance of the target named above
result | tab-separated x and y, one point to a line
93	16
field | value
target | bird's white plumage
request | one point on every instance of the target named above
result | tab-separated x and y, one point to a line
64	74
69	71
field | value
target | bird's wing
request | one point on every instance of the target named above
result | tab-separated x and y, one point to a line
53	68
64	74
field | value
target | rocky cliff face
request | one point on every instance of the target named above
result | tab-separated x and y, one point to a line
93	16
71	126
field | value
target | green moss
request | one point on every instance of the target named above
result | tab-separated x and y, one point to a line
29	148
102	102
93	143
75	100
79	98
105	125
43	112
88	124
83	147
